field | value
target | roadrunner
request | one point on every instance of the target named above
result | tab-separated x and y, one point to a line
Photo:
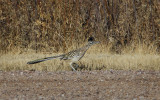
73	56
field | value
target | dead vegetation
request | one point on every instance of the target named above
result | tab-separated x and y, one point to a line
91	61
58	26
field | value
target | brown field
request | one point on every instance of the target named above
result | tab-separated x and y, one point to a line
83	85
125	65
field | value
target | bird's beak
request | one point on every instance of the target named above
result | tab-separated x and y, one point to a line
96	42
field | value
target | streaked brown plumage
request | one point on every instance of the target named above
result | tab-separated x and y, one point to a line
73	56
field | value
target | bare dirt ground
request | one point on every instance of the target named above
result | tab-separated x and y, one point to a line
92	85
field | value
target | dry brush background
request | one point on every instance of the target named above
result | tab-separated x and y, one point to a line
129	31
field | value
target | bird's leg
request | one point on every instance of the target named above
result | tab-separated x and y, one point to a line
72	66
76	65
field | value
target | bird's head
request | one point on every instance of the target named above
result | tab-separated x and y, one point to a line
92	41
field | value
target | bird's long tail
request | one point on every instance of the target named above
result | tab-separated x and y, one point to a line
44	59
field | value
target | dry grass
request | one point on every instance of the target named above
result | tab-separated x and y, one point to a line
128	30
58	25
91	61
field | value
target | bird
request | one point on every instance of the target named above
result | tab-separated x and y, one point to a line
72	56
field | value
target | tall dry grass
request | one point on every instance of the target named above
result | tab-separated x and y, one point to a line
58	26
